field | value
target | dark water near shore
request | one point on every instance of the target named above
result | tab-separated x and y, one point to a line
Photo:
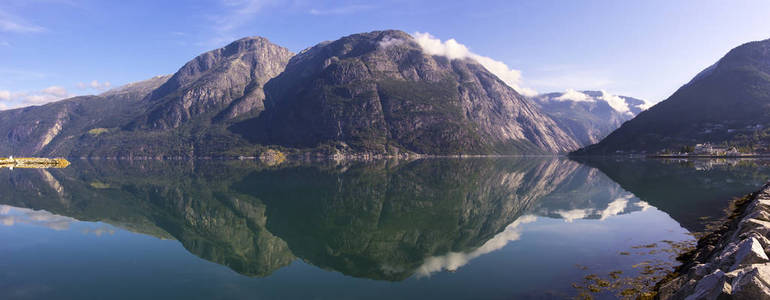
437	228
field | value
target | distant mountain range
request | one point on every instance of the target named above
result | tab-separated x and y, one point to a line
589	116
370	93
729	102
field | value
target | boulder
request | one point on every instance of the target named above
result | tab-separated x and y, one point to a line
750	282
759	214
671	288
712	286
749	225
700	270
745	252
765	242
763	204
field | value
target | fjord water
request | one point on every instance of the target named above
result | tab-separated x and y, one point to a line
444	228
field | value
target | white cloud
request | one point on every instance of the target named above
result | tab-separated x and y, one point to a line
388	41
342	10
575	214
646	105
56	91
10	216
643	205
5	95
21	99
574	95
613	208
230	16
100	86
616	207
94	84
13	24
454	50
49	94
434	46
454	260
238	12
615	102
37	99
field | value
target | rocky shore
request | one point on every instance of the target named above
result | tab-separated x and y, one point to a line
732	261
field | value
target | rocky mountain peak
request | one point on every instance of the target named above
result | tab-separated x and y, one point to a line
225	82
379	91
589	116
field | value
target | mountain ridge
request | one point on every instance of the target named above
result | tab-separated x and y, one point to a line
374	93
458	105
728	102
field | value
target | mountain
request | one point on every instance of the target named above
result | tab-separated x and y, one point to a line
589	116
183	115
369	93
226	81
379	92
729	102
43	129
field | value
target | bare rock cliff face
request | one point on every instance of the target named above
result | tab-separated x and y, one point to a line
227	81
379	92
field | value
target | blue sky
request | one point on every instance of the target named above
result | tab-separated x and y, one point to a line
51	49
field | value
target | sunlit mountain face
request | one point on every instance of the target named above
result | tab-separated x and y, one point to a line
399	228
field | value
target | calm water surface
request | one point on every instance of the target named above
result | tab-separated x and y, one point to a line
442	228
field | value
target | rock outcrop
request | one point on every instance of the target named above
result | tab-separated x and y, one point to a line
732	262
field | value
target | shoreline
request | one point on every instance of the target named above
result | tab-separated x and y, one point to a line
732	260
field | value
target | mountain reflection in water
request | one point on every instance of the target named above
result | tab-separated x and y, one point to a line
386	220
